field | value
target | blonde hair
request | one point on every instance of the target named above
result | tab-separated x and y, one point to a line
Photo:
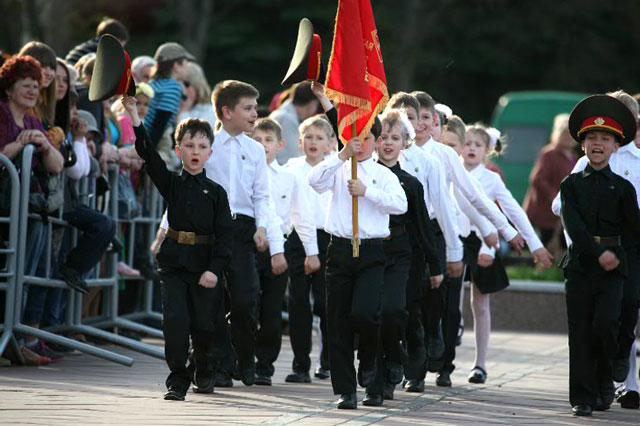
627	100
560	125
481	130
457	126
195	77
318	121
393	116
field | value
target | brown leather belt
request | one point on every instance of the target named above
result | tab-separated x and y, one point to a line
395	231
614	241
190	238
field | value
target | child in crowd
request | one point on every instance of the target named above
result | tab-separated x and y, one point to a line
315	139
295	211
354	285
487	271
193	257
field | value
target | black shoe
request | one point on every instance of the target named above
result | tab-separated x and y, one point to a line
443	379
581	410
395	373
72	278
223	379
478	375
248	374
115	245
414	386
620	369
372	400
347	401
322	373
366	373
298	377
175	394
203	384
263	380
629	399
388	391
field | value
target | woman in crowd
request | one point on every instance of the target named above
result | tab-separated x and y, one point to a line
197	99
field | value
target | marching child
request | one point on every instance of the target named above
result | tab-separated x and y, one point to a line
487	271
354	285
408	232
315	140
193	256
293	208
600	215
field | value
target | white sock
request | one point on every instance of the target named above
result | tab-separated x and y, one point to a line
631	383
481	325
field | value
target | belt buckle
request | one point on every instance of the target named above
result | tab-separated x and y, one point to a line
187	238
597	239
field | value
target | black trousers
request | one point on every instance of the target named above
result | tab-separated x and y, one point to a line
299	306
394	313
354	290
243	288
593	311
269	334
188	310
630	304
426	306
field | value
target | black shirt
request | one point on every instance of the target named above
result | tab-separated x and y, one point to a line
416	219
597	203
195	204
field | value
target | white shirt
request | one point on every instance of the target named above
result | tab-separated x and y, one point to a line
83	162
460	178
428	170
496	190
625	162
293	207
239	165
319	202
383	196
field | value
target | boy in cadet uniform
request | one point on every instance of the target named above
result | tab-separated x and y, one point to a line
409	232
315	139
192	259
354	285
293	210
601	216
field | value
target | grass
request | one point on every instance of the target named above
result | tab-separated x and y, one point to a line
526	272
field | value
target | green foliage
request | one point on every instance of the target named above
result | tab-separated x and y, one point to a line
531	273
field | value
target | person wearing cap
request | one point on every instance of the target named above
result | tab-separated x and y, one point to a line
601	217
166	77
626	163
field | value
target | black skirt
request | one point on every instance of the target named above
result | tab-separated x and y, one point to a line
489	280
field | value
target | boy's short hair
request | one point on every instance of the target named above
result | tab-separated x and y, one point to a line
228	93
319	121
267	124
302	94
404	100
425	100
193	126
629	101
113	27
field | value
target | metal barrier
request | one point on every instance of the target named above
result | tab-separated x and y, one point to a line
150	222
9	274
73	321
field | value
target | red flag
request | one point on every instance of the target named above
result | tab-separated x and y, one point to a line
356	82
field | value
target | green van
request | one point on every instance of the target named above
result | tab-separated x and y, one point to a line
526	118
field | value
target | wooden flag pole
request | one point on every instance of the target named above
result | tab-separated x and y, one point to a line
355	237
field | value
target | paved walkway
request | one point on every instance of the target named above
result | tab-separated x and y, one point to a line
527	385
